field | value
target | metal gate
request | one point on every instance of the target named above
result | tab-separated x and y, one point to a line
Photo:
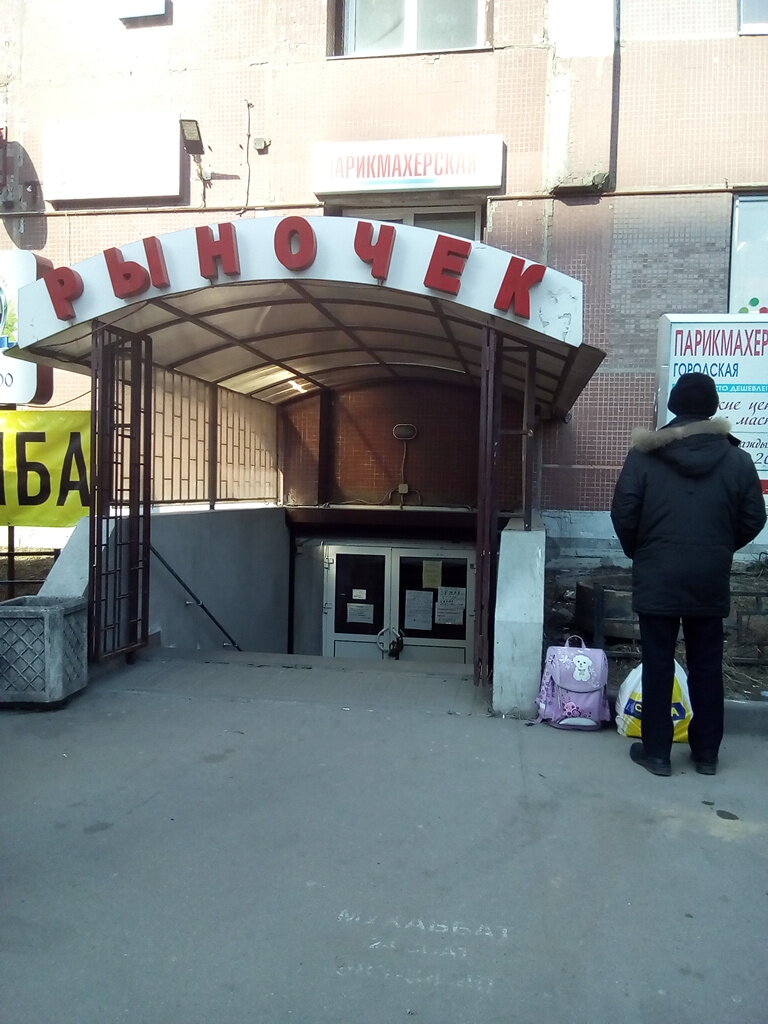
121	460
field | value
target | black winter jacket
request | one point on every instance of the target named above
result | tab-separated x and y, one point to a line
686	499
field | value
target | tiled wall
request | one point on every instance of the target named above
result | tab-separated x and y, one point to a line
366	462
689	110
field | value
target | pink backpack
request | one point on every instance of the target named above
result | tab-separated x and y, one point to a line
574	687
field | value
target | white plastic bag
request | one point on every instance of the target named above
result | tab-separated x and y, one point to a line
629	704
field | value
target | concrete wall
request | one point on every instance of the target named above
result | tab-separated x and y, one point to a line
69	573
234	560
309	581
519	620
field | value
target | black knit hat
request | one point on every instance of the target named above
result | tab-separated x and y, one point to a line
694	394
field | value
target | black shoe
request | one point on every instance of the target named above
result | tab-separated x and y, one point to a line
705	767
654	765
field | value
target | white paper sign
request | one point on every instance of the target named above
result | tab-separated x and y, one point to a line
447	616
359	595
431	573
451	602
453	597
418	610
360	613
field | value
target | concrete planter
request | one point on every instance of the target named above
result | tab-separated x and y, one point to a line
43	649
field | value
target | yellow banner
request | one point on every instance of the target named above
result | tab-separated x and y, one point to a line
46	459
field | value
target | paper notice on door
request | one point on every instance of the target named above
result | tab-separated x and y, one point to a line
418	610
359	595
449	610
431	573
453	597
360	613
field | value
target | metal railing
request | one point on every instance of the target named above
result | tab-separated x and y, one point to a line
12	582
195	599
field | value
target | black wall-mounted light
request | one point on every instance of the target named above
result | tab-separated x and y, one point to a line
404	431
191	138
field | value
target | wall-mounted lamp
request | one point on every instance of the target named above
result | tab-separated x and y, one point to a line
191	138
261	145
404	431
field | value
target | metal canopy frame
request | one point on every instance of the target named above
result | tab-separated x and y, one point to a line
275	339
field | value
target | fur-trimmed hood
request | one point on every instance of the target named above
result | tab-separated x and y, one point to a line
649	440
691	447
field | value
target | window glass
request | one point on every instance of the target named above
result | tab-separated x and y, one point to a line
753	16
377	25
749	256
405	26
462	222
446	26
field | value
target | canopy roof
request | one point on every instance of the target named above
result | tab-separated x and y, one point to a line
268	330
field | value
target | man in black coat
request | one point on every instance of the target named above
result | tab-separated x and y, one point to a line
687	498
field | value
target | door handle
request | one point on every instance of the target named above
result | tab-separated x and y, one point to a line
390	641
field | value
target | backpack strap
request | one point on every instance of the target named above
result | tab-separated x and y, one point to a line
575	636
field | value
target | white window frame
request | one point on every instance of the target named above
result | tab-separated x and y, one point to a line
752	28
407	214
747	277
411	27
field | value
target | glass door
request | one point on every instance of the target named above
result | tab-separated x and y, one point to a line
408	604
357	601
434	593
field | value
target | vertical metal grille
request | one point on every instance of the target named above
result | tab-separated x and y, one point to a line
120	474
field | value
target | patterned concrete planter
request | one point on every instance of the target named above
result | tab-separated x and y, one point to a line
43	649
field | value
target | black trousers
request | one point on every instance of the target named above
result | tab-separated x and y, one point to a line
704	656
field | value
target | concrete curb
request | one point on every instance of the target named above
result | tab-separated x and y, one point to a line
746	717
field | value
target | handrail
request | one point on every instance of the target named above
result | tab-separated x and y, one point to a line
194	596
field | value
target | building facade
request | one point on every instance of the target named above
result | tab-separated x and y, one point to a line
619	142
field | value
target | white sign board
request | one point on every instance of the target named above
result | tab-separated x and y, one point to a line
18	379
465	161
733	350
111	158
341	250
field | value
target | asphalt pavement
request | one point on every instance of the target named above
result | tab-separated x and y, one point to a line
228	840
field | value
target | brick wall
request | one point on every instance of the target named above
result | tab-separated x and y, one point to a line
366	460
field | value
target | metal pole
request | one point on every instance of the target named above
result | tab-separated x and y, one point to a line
529	414
487	505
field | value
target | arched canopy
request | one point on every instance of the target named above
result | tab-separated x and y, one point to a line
272	307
